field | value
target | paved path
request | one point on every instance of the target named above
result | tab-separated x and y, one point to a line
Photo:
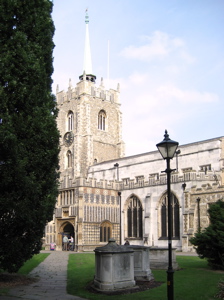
53	280
52	284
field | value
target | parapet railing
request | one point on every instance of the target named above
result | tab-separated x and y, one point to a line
137	182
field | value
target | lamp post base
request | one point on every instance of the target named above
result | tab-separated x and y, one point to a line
170	273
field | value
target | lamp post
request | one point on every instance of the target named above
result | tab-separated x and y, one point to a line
167	149
119	195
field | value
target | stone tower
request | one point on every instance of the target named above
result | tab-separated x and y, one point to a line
89	120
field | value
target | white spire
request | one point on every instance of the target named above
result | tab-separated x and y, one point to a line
87	65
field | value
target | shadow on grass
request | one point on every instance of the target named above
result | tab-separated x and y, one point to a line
140	287
193	281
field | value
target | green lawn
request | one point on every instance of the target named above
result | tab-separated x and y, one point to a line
32	263
194	281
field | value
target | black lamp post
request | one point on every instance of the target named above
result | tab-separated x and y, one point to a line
119	195
167	149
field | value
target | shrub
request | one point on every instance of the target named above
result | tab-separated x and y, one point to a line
210	242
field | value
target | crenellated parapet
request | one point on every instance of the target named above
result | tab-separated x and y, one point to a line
87	87
142	181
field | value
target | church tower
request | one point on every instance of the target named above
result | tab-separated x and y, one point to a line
89	120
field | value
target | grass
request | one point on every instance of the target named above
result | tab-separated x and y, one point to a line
32	263
194	281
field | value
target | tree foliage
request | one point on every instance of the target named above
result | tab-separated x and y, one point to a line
210	242
29	139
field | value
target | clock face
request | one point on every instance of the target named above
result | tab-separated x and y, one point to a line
68	138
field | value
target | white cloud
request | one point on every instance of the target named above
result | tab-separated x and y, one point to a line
185	96
158	46
139	79
187	57
151	106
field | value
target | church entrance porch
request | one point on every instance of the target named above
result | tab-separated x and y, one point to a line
66	228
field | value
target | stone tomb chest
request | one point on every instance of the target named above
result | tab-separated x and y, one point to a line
114	267
159	258
142	269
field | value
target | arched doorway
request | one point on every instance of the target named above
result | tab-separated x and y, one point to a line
68	230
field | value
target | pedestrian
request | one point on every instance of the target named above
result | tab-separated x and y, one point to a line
65	243
72	243
126	243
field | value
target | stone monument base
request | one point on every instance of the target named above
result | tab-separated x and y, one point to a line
159	258
114	267
142	271
115	291
102	286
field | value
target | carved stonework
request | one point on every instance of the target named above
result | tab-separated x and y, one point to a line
191	221
185	223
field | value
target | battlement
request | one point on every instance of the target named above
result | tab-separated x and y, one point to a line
141	181
86	87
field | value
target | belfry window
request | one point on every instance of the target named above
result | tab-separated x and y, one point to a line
134	218
102	120
69	159
70	121
174	216
105	231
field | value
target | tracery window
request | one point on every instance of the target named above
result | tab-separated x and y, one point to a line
70	121
105	231
102	120
134	218
175	217
69	159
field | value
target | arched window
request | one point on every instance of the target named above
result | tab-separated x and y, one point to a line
175	217
134	218
105	231
70	121
102	120
69	159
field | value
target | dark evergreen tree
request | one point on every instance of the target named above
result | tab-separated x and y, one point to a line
210	242
29	139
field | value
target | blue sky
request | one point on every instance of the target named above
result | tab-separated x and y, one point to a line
168	57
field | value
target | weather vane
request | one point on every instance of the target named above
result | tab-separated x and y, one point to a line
87	17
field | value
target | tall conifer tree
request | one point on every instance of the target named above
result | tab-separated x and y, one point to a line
29	139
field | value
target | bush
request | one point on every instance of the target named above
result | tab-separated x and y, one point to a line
220	294
210	242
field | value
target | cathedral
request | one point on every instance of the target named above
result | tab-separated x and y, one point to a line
103	194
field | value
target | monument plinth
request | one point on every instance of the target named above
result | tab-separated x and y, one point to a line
114	267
